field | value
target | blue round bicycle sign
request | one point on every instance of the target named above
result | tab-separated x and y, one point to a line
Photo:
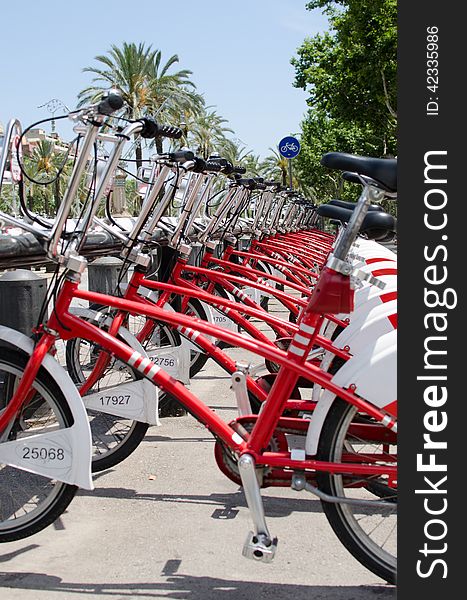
289	147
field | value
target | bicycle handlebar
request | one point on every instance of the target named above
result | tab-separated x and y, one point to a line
152	129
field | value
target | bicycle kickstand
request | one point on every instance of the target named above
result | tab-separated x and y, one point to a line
259	545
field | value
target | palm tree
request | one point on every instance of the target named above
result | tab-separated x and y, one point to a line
275	166
172	96
135	71
45	166
234	151
207	133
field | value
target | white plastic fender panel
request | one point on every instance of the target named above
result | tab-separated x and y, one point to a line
373	245
42	454
175	360
375	251
381	264
361	334
216	317
367	311
135	400
369	291
379	321
374	373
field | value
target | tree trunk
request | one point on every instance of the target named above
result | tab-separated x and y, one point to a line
139	155
57	194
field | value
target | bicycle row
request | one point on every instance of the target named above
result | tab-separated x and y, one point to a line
323	415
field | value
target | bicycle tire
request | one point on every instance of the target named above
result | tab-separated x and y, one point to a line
346	521
52	497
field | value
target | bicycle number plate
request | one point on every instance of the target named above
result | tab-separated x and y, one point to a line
49	454
174	360
136	400
222	320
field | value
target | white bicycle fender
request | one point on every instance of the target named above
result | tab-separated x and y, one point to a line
364	314
75	465
361	334
374	373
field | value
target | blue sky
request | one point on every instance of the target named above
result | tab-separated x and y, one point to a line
239	53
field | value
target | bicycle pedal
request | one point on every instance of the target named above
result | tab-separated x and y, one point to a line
259	547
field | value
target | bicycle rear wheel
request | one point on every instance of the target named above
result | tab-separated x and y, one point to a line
30	502
368	532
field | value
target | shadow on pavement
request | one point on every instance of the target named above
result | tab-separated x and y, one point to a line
274	507
189	587
11	555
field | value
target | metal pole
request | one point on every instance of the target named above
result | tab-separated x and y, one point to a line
290	174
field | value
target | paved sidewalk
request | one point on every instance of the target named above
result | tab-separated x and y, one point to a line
167	524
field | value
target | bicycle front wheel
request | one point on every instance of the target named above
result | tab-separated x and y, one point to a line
30	502
368	532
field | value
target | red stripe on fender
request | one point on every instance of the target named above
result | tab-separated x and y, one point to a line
370	261
389	296
379	272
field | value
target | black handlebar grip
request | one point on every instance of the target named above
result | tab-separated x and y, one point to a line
249	183
150	128
217	159
239	170
213	166
181	156
169	131
200	165
110	104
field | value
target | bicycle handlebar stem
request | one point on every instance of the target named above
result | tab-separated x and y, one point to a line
192	195
110	168
369	194
156	181
161	207
203	196
72	188
220	213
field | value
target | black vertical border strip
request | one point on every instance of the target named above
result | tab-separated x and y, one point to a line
419	134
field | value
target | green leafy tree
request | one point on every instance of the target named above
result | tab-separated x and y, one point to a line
275	166
349	74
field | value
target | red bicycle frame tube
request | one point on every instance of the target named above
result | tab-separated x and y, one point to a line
168	289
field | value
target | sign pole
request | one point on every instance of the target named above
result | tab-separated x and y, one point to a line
290	174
